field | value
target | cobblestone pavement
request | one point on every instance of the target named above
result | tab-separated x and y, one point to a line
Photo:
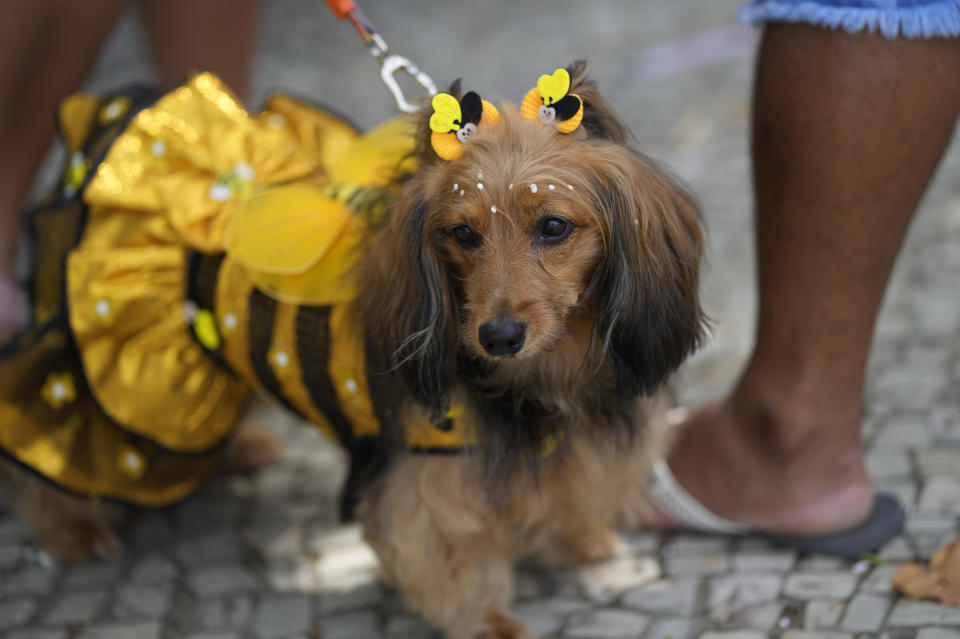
265	557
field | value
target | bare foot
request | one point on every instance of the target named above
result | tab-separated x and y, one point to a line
775	466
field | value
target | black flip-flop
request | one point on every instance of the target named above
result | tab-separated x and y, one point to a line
884	522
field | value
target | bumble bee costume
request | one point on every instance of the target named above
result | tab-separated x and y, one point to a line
194	252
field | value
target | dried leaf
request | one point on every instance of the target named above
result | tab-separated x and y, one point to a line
940	582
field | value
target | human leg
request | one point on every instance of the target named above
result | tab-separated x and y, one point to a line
848	131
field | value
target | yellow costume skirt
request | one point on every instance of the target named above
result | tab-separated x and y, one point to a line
195	252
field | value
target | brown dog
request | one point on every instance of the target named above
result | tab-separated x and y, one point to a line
552	298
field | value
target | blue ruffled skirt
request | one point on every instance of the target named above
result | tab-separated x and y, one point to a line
892	18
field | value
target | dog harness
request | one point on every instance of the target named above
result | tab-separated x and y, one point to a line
195	252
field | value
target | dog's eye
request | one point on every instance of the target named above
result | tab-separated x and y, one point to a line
465	236
554	229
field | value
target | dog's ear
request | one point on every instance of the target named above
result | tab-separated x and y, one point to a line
407	305
599	119
647	285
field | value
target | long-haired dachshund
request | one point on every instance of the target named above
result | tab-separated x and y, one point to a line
549	284
528	290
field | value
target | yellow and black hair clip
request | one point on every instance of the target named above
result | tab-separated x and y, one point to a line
550	102
454	122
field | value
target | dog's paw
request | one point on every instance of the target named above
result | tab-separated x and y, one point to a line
82	540
601	545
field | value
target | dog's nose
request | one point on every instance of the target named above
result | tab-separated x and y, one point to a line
502	336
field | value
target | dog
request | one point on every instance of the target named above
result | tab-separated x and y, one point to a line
531	285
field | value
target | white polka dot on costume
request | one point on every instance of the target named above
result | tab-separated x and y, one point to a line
230	321
351	385
220	192
102	308
455	186
189	310
533	188
158	148
551	187
281	359
113	110
493	209
480	185
276	120
132	461
243	171
59	390
461	192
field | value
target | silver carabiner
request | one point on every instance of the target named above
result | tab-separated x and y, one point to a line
390	66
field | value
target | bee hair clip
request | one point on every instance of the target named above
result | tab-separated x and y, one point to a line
454	122
550	102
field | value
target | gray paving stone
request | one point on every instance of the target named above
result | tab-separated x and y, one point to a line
351	625
229	612
606	623
549	615
408	627
363	596
811	634
938	633
705	564
939	461
93	574
667	595
838	585
888	464
38	633
759	617
693	544
743	589
671	629
274	539
922	613
221	580
278	616
16	611
733	634
865	613
765	560
153	568
146	630
822	615
940	495
142	601
28	579
292	574
76	607
216	547
897	549
878	581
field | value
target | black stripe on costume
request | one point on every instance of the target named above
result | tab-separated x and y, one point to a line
262	312
203	273
313	347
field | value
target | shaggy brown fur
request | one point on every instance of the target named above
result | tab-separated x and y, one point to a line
610	311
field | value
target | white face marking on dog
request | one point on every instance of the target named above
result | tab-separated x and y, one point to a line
552	187
570	186
455	186
480	185
461	192
510	187
533	188
493	209
480	175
